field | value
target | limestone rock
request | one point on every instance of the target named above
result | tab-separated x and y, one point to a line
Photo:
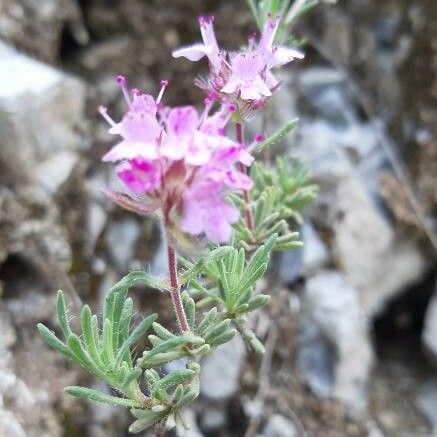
335	355
219	378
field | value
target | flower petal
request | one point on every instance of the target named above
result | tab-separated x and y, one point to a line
193	53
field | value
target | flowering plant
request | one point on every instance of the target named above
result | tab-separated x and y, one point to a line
184	167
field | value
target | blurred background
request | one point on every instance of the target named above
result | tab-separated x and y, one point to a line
351	331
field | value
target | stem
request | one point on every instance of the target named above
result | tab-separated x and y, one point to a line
246	195
175	290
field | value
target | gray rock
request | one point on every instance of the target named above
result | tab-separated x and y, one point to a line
427	402
10	426
219	377
315	252
213	418
121	238
44	114
374	262
290	266
429	334
279	426
335	355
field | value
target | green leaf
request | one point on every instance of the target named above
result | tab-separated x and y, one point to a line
50	338
96	396
222	338
108	346
173	379
278	135
147	420
190	309
257	302
207	320
162	332
166	347
216	330
135	335
133	375
61	310
188	397
88	337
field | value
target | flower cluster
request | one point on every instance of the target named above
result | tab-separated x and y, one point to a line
242	77
179	161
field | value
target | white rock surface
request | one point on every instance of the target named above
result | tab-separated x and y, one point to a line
43	113
220	374
335	355
121	239
315	252
376	263
429	334
279	426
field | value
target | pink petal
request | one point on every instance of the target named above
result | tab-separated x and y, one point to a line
193	53
128	150
268	34
284	55
139	175
182	121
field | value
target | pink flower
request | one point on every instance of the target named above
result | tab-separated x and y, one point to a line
209	48
178	161
205	210
244	77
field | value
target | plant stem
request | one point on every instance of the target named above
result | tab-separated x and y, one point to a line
175	293
240	138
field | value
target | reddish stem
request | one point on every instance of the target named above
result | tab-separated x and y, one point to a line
246	195
175	290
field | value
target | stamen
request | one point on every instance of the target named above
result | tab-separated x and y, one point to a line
209	101
104	113
121	80
231	108
164	84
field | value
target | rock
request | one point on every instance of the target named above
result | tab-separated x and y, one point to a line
290	266
38	27
219	377
335	355
279	426
53	172
364	247
38	95
10	426
315	252
427	402
213	418
429	333
121	238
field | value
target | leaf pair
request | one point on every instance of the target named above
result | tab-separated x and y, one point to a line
234	277
279	193
168	394
169	347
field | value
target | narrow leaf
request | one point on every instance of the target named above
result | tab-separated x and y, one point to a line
135	336
97	396
277	136
173	379
61	310
50	338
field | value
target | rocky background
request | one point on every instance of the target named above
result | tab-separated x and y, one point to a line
351	332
